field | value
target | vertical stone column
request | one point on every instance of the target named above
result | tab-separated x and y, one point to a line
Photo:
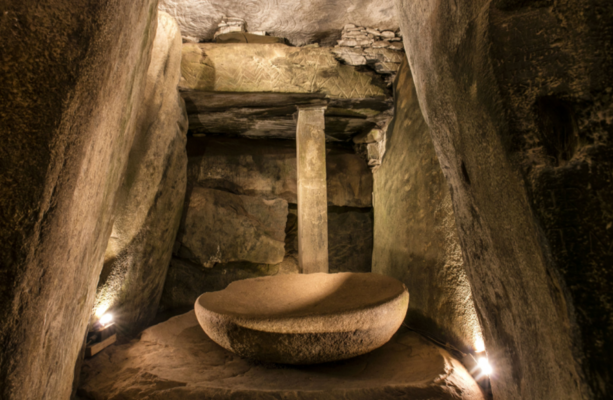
312	195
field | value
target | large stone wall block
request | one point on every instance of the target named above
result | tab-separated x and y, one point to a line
186	280
148	210
518	98
312	198
73	74
247	67
221	227
268	169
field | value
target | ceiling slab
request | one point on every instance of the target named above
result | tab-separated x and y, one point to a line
299	21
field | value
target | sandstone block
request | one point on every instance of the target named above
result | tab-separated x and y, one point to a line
268	169
240	67
186	281
148	210
222	227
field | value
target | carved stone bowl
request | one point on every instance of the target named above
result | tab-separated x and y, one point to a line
306	318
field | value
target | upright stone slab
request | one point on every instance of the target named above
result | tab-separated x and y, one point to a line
312	197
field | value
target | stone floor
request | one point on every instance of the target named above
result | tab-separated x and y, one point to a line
176	360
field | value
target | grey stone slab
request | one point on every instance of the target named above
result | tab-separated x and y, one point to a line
300	21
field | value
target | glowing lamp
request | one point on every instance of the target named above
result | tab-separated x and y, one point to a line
485	366
106	319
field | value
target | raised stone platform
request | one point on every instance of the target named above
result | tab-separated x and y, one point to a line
175	360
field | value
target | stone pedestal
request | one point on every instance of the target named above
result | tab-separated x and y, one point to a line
312	196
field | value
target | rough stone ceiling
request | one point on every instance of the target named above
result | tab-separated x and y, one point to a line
299	21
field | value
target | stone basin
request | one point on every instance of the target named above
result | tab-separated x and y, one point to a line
304	318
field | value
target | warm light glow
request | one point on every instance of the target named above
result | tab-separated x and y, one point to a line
479	345
106	319
101	309
485	366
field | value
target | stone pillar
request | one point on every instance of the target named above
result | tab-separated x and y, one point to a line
312	196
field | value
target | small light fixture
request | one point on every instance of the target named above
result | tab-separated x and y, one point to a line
101	335
106	319
485	366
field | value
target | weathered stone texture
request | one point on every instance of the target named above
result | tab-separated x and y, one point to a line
312	198
148	210
350	238
305	318
268	169
175	360
72	76
221	227
247	67
518	98
415	236
300	21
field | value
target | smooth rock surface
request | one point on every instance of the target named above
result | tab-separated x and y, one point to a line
148	210
304	318
415	238
268	169
72	76
220	227
518	98
175	360
247	67
300	21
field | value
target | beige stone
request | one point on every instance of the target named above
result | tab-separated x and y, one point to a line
304	318
148	209
176	360
375	135
240	67
222	227
312	198
350	245
300	21
268	169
